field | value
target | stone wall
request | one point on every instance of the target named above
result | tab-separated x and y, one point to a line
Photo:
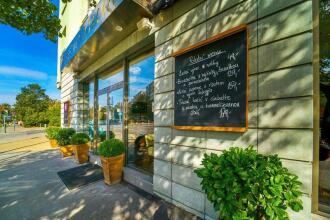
77	94
280	99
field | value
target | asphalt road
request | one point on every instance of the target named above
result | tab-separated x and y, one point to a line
20	133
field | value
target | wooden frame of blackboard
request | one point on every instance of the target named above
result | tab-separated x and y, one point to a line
208	41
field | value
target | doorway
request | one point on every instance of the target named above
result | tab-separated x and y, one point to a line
110	111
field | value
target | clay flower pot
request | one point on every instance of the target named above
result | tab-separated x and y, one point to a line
112	168
66	151
81	153
53	143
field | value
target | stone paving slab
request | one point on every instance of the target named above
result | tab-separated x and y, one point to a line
31	189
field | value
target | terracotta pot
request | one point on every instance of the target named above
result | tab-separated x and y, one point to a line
81	153
53	143
66	151
112	168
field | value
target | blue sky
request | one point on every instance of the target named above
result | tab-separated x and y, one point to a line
24	60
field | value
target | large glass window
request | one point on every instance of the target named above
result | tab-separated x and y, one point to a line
90	120
140	114
110	100
324	153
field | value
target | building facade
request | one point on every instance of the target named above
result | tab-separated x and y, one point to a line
116	73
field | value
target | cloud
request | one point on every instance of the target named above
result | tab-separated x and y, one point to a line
22	72
140	80
135	70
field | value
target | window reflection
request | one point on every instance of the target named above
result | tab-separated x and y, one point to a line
91	112
140	115
324	153
110	112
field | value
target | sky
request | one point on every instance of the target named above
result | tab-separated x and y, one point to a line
24	60
141	75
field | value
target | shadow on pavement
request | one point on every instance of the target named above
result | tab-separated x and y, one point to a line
31	189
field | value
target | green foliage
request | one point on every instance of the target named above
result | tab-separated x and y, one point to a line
34	107
111	148
102	135
33	16
111	135
53	113
243	184
51	132
31	102
64	136
5	108
80	138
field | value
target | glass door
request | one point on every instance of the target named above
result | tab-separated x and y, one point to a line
140	114
110	112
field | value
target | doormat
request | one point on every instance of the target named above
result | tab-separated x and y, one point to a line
81	176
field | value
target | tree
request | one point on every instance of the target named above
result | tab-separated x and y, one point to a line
53	113
5	107
33	16
30	104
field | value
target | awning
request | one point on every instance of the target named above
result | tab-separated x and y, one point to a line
109	23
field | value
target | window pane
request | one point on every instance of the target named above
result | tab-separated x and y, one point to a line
90	120
324	159
140	115
110	112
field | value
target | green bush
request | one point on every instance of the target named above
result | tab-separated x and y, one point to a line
243	184
51	132
80	138
111	135
64	136
103	135
111	148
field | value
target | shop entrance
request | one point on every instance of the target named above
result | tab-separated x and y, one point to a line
140	149
110	97
125	100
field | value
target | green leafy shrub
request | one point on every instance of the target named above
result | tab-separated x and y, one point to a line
80	138
111	148
111	135
243	184
103	135
64	136
51	132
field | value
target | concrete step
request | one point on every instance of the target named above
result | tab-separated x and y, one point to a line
138	179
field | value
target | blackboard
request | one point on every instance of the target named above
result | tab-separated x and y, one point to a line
211	83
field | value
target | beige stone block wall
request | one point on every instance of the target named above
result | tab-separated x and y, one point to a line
74	92
280	98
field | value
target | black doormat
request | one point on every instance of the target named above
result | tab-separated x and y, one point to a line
81	176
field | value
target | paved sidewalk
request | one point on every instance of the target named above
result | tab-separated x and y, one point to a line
31	189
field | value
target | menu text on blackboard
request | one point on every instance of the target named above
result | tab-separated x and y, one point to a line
211	84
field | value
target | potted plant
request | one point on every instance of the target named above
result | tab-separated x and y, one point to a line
63	138
243	184
79	142
51	134
112	153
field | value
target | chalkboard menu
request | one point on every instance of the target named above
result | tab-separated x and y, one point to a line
211	84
